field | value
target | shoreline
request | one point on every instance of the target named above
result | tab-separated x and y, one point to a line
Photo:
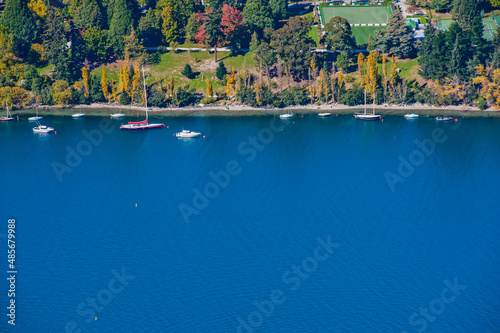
243	110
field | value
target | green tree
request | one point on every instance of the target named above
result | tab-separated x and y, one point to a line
371	43
465	12
495	61
185	95
18	18
192	27
187	71
338	35
264	57
279	9
149	28
95	41
221	71
133	48
293	44
397	37
343	60
213	31
96	94
55	45
258	16
121	24
89	14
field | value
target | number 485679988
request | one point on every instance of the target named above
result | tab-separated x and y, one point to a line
11	243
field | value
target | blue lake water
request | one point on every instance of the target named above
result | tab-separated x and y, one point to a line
233	232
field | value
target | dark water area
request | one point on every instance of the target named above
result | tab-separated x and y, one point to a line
264	225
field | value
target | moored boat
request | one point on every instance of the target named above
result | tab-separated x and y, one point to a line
187	134
286	116
444	118
78	115
411	116
365	116
144	124
117	115
35	118
9	116
42	128
324	114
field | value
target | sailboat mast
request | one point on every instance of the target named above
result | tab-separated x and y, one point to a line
365	101
374	103
145	94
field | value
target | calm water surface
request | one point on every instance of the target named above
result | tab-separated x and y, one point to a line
416	249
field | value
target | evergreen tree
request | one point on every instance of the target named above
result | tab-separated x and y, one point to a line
371	43
149	28
121	24
258	16
495	61
187	71
96	94
55	45
338	35
279	9
221	71
89	14
466	12
397	37
434	54
18	18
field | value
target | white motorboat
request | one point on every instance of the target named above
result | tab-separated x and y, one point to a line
324	114
78	115
117	115
444	118
411	116
9	116
36	118
286	116
187	134
42	128
365	116
139	125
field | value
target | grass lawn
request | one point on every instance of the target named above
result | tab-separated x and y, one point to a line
45	70
361	33
202	63
314	35
357	14
409	68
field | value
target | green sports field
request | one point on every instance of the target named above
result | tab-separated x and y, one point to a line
357	14
361	33
488	32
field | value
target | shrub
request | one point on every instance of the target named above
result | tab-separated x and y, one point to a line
124	98
157	99
481	104
162	49
155	58
247	96
184	95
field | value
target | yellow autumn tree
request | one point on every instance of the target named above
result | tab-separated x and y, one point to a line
39	7
361	59
231	82
104	83
136	82
210	91
85	76
371	76
313	68
488	81
113	91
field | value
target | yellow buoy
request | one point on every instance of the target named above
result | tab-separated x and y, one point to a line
136	205
95	318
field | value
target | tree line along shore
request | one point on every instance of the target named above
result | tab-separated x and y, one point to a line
82	52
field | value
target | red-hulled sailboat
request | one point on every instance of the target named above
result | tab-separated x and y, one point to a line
139	125
9	117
